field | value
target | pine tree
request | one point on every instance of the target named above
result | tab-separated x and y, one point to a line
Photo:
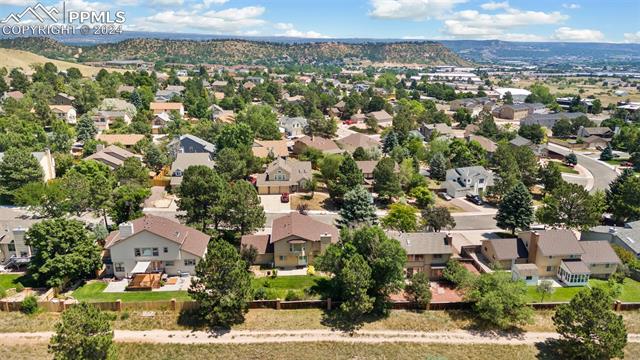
606	154
357	208
86	129
386	181
516	209
438	166
390	142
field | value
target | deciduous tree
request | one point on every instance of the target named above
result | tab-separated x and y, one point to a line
515	211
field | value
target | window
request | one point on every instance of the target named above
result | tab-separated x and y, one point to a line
528	278
282	258
155	252
437	256
136	252
11	246
165	250
189	262
419	257
296	247
549	268
169	263
147	251
119	267
607	265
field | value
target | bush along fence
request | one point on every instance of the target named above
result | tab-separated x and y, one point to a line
55	305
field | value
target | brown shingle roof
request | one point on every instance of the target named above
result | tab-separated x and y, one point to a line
355	140
508	249
305	227
124	139
260	242
598	252
262	148
190	240
165	106
558	242
320	143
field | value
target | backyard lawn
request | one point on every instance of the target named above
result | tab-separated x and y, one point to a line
8	281
566	169
279	286
94	292
630	292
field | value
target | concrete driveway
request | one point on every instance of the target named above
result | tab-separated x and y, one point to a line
273	205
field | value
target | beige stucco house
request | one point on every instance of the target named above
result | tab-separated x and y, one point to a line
154	244
426	251
284	176
294	242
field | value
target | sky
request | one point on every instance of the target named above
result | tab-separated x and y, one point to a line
515	20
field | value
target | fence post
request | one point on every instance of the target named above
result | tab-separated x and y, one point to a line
173	304
277	304
618	305
118	305
329	304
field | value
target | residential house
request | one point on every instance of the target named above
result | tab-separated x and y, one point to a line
367	167
295	241
126	140
63	99
487	144
627	236
160	122
467	180
430	130
166	95
504	252
541	150
249	85
327	146
356	140
219	85
14	223
284	176
115	104
603	132
183	161
160	107
112	156
66	113
222	115
270	148
382	117
293	126
559	254
426	251
154	244
15	95
512	111
548	120
526	272
473	105
191	144
46	161
596	142
103	119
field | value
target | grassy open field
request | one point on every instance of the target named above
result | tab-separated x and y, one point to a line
315	350
574	85
11	58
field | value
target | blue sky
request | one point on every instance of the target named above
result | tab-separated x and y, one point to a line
518	20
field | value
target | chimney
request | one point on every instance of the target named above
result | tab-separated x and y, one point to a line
325	241
126	230
533	246
448	240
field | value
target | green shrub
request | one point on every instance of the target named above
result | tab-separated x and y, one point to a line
124	316
3	293
260	293
293	295
274	273
19	287
29	305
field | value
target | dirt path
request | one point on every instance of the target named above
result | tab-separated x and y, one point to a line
284	336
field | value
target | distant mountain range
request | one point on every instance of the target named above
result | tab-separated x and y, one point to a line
236	51
154	46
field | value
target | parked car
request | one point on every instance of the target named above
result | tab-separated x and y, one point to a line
476	199
284	197
445	196
349	122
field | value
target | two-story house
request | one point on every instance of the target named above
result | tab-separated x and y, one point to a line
103	119
426	251
160	107
190	144
352	142
293	126
112	156
63	99
504	253
327	146
154	244
66	113
183	161
284	176
467	180
627	236
295	241
13	249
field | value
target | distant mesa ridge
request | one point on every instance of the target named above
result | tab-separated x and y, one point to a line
234	51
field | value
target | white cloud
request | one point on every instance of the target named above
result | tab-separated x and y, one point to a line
205	4
474	24
495	5
127	2
571	6
164	2
13	2
290	31
569	34
411	9
231	20
414	37
632	37
81	5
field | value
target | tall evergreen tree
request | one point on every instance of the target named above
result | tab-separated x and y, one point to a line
386	181
357	208
515	211
438	167
86	129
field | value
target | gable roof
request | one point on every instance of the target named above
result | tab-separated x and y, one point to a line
113	156
184	160
124	139
262	243
558	242
297	170
508	249
381	116
209	147
355	140
190	240
165	106
320	143
486	144
262	148
302	226
419	243
520	141
598	252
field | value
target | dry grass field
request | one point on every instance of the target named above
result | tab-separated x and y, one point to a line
574	85
11	58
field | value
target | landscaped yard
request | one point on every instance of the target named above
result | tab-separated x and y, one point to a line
94	292
277	288
8	281
630	292
566	169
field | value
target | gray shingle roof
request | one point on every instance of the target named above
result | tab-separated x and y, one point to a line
418	243
598	252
